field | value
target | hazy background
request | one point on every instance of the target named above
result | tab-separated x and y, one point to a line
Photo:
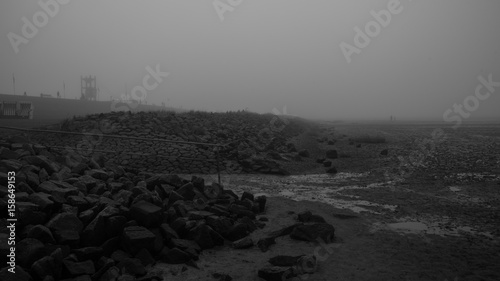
264	55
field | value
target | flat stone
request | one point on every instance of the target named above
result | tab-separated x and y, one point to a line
275	273
146	214
28	251
136	237
54	189
41	233
79	268
65	221
243	243
175	256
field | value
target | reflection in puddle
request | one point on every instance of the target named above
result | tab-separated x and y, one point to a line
316	187
436	226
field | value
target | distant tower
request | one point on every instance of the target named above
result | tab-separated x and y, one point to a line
89	88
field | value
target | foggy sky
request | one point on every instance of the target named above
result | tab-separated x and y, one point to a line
265	54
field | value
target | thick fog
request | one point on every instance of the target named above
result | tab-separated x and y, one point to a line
305	56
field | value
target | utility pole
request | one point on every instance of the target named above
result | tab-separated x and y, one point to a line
14	83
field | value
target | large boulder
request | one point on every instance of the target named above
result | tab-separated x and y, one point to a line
314	232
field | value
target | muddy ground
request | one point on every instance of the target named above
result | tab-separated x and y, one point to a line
439	220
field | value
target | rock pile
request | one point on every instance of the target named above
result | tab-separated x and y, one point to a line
246	137
95	220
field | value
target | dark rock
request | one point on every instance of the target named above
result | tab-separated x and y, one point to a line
187	191
111	274
19	274
219	224
43	162
222	277
44	267
327	164
146	214
216	237
115	225
119	256
314	232
136	237
305	265
332	170
44	200
243	243
74	268
201	235
261	200
320	160
175	256
185	245
307	216
29	213
275	273
28	251
65	221
284	231
198	215
284	260
133	266
145	257
167	232
51	187
236	232
265	243
41	233
97	174
384	152
247	195
95	232
6	153
88	253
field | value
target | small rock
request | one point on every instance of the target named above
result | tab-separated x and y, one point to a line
275	273
243	243
265	243
332	170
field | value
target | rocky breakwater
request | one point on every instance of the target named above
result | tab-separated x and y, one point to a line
248	142
95	220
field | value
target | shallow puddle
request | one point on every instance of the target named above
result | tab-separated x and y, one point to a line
436	226
323	188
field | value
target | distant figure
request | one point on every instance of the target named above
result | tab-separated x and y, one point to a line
58	95
25	94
